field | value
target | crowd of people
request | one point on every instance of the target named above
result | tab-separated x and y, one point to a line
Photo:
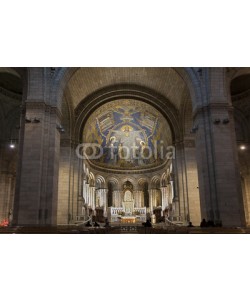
210	223
205	223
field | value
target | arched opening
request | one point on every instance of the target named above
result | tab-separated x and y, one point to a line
11	91
122	111
240	94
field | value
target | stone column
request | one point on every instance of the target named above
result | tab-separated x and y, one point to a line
244	158
139	198
92	196
173	194
105	202
180	201
218	168
193	197
152	198
103	199
84	190
164	197
98	197
36	200
87	194
6	194
117	199
66	182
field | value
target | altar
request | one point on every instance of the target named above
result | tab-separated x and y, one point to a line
128	220
128	213
117	214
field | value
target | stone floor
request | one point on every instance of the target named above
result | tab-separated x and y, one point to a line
129	229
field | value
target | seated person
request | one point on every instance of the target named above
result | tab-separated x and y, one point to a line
203	223
106	223
88	224
210	223
147	224
96	224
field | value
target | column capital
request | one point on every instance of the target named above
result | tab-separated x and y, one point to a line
42	106
216	106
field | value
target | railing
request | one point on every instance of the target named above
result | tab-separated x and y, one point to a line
119	210
116	210
173	223
141	210
82	222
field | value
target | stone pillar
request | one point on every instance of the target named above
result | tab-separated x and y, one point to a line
218	168
117	199
92	196
244	158
105	202
103	199
180	201
153	194
245	182
36	200
171	192
193	198
164	197
6	194
84	190
87	194
136	198
173	196
98	197
139	198
65	182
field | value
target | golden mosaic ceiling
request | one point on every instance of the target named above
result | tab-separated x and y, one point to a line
131	135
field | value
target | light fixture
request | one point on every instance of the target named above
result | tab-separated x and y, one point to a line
216	121
225	121
32	120
60	128
243	147
27	120
194	129
36	120
12	145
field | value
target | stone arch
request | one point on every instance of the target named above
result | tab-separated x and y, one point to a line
113	185
141	182
13	89
155	182
92	102
191	76
164	179
91	179
114	181
239	84
100	182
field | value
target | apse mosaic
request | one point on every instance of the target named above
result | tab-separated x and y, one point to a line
131	134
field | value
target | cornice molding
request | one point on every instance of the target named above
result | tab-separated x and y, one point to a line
44	107
212	106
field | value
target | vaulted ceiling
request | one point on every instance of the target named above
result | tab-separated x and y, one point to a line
165	81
